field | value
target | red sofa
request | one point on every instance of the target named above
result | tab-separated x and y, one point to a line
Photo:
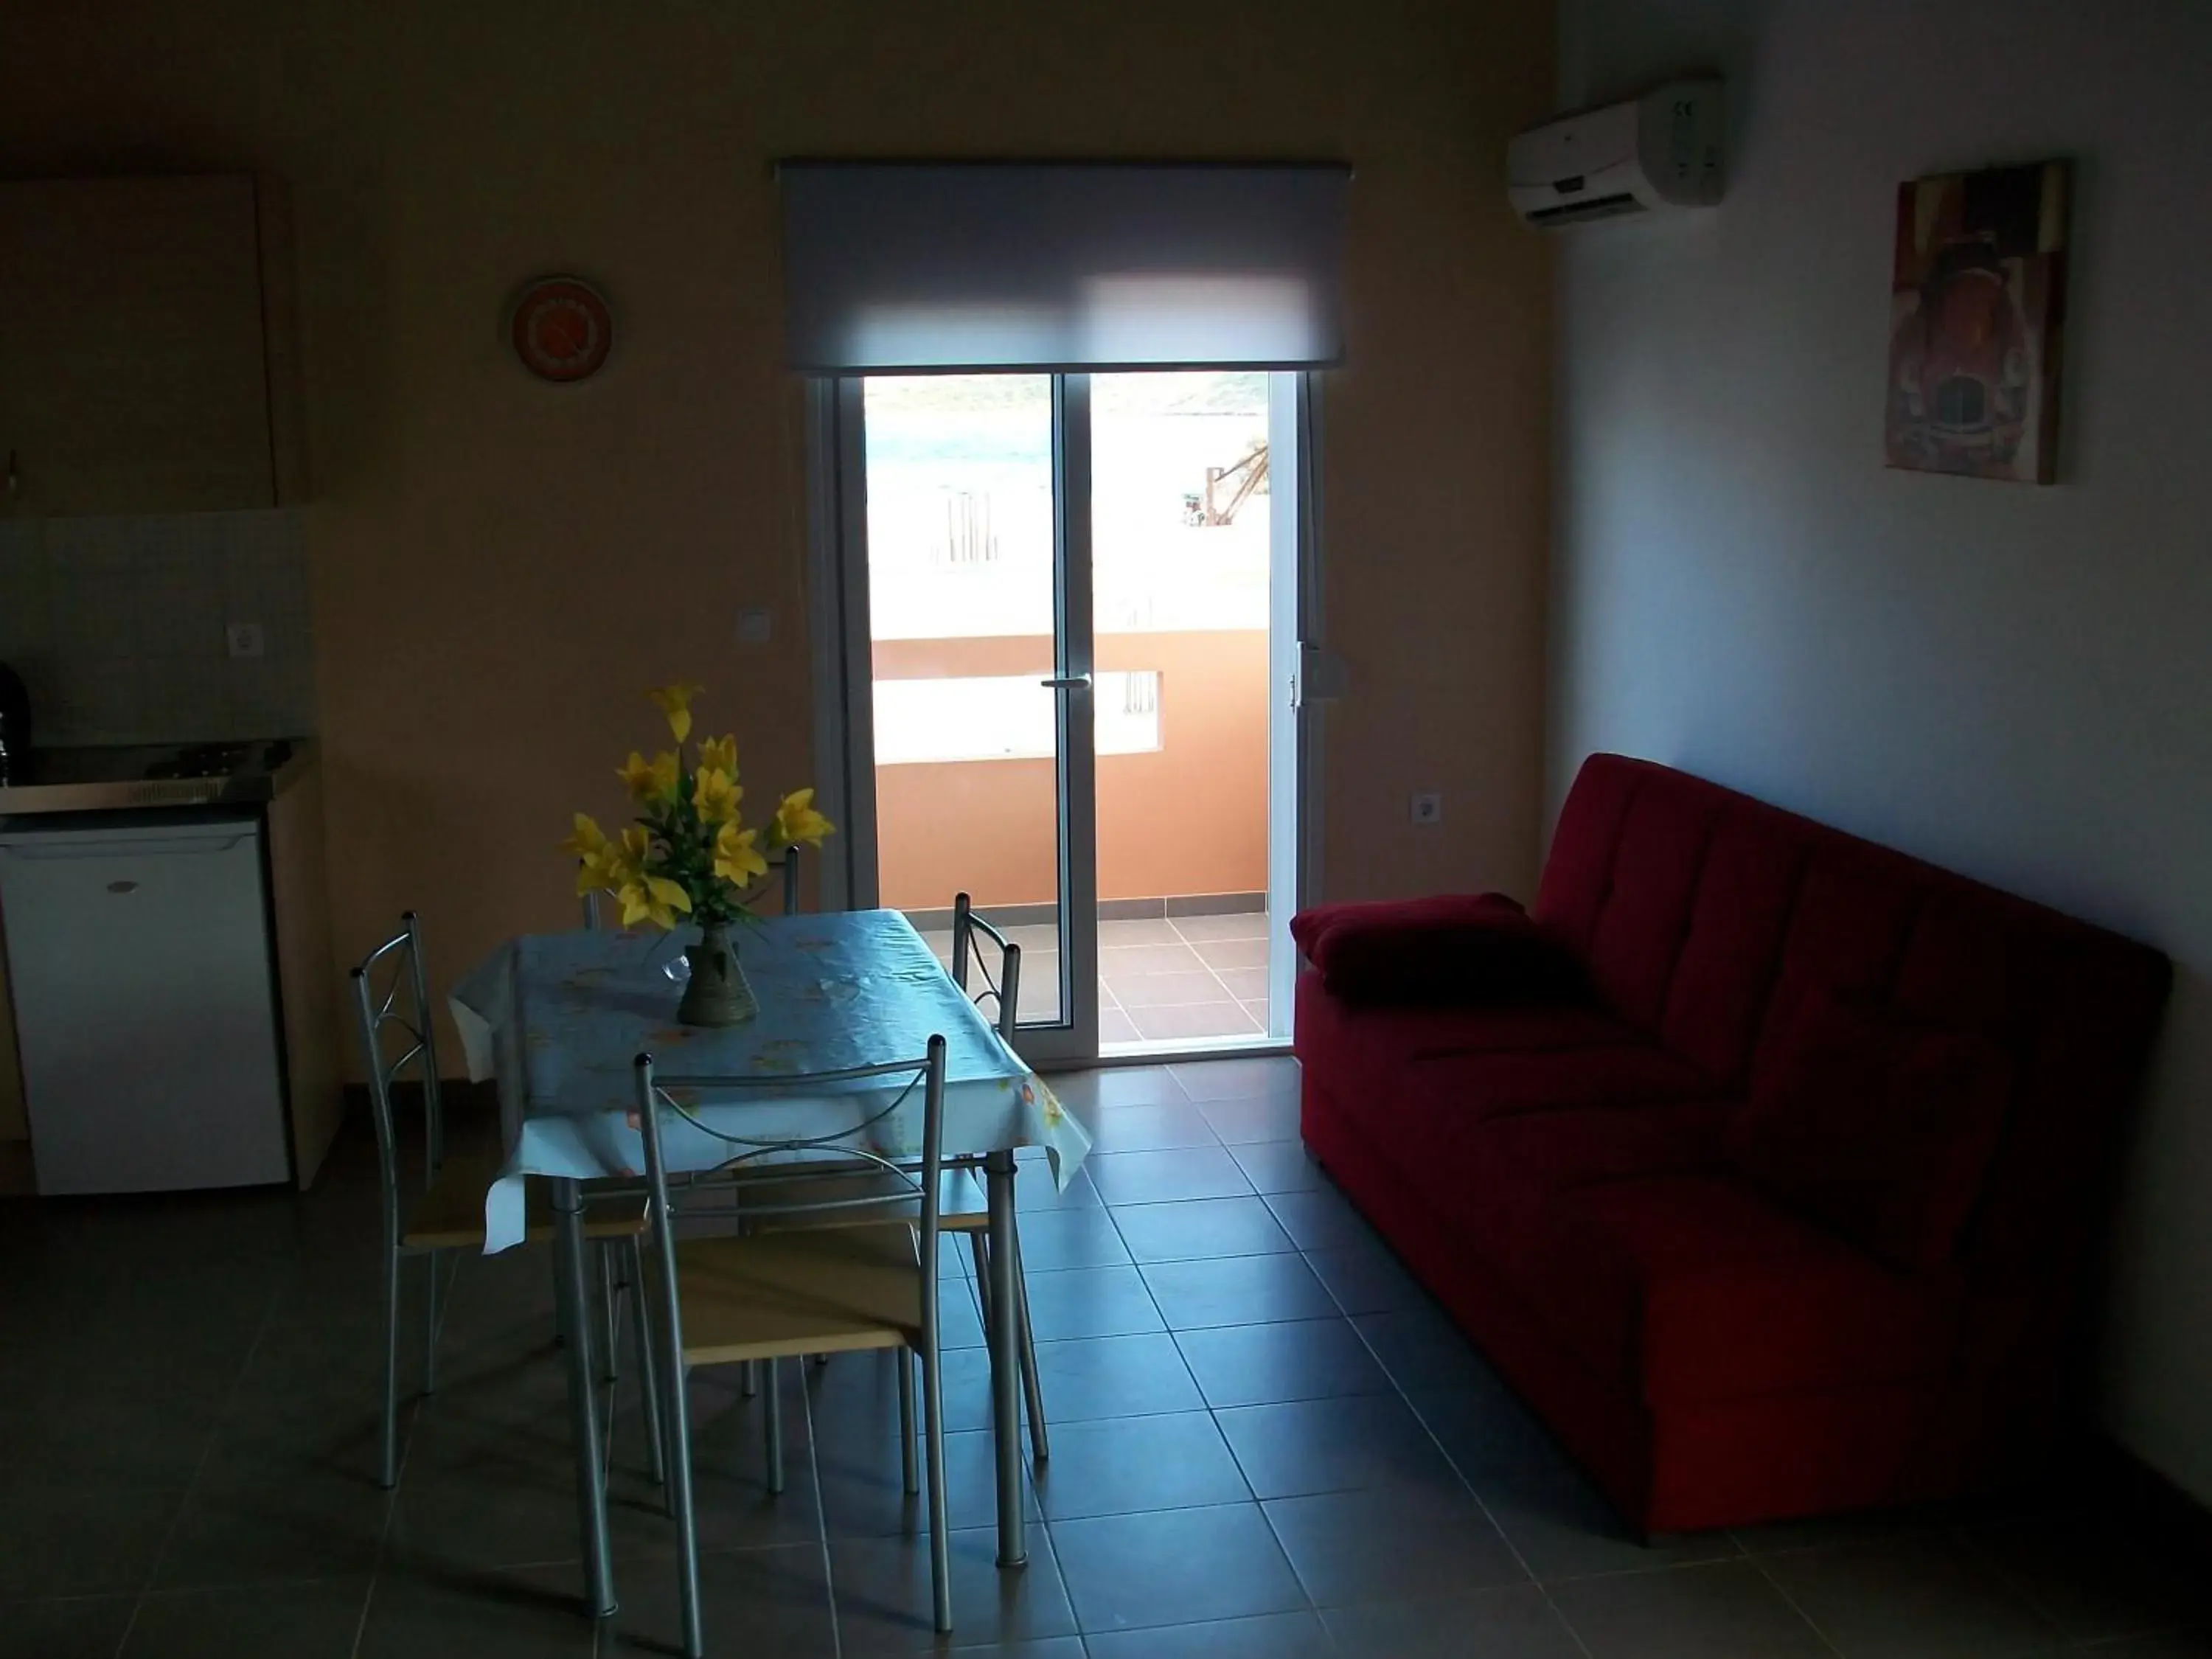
1558	1171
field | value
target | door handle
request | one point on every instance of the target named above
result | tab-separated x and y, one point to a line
1066	682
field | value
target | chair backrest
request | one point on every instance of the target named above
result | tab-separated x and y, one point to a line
392	995
881	1093
1005	991
788	865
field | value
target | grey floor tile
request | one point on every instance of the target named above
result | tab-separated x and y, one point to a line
1174	1567
1237	1290
1151	930
1550	1510
1269	1364
1116	961
1232	952
83	1537
1420	1346
2161	1645
1688	1613
1111	1086
1113	1376
1389	1545
1119	1466
1259	1118
883	1594
1055	1239
1165	1177
1115	1026
1279	1166
79	1627
1910	1598
532	1613
863	1488
769	1601
1269	1636
1034	1193
317	1619
1351	1443
1151	1129
1514	1622
1199	1227
2094	1579
1085	1302
1320	1218
856	1395
1367	1278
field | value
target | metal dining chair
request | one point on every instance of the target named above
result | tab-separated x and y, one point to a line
448	1214
769	1294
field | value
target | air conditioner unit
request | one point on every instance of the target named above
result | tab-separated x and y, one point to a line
1654	153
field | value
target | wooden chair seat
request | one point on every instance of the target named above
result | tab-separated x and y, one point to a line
805	1291
451	1215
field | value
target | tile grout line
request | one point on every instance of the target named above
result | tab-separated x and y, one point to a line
1790	1601
199	1469
1450	1462
391	1498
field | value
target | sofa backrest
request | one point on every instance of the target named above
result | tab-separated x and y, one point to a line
1707	918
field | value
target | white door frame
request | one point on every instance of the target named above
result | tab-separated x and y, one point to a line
843	723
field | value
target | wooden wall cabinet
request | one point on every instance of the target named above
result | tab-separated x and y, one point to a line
147	362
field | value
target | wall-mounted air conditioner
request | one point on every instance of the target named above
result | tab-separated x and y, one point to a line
1654	153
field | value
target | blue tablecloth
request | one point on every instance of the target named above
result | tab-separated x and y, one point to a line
558	1020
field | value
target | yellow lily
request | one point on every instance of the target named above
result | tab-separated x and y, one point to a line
593	852
797	822
651	781
675	701
643	896
737	855
586	838
716	795
718	755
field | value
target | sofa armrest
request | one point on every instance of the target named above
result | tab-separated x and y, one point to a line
1450	948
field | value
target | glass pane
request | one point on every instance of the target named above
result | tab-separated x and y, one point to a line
1181	501
961	615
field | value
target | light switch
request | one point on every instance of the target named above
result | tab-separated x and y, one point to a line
754	625
245	639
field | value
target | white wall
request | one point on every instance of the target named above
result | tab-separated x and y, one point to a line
2015	681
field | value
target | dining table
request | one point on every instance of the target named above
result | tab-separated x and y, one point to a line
557	1021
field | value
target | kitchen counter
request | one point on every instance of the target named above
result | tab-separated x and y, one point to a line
135	779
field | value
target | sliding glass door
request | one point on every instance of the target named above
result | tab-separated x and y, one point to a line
1061	651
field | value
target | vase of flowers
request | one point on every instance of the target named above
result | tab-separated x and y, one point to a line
690	853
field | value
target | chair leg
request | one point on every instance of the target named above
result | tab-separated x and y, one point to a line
430	1325
908	1449
748	1379
648	1368
388	1441
772	1421
1040	1442
979	1248
940	1522
610	1310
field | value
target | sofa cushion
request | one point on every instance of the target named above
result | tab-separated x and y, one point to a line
1366	1050
1880	1128
1452	948
1695	1286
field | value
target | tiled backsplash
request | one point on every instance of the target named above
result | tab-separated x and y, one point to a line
118	626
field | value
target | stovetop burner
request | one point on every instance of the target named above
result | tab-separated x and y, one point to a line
204	760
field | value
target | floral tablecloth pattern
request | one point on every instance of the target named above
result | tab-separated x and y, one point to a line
558	1020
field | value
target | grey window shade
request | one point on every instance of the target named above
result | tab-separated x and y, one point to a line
919	267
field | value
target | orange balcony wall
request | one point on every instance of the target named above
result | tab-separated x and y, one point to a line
1188	817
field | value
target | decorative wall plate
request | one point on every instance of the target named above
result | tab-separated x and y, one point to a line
562	328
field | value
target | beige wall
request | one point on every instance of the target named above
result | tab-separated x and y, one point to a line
498	565
2006	679
1189	817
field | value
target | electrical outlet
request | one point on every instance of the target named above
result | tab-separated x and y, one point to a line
754	626
1426	807
245	639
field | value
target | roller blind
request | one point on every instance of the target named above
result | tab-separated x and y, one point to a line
920	266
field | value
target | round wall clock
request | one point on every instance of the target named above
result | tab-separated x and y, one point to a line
562	328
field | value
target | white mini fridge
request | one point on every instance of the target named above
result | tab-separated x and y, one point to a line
146	1021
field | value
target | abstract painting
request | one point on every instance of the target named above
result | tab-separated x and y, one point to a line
1977	301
